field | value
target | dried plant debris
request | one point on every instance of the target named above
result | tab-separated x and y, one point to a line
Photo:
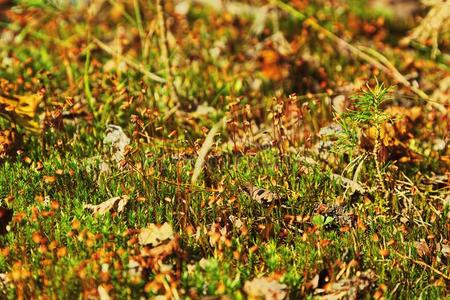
155	235
265	288
159	242
434	26
115	204
200	180
442	93
261	195
349	183
117	140
422	248
340	215
9	141
351	288
103	293
337	215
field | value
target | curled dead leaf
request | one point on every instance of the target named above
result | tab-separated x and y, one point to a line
116	203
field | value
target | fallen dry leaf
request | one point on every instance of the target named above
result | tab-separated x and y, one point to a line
134	268
49	179
163	250
445	250
118	140
422	248
9	141
4	280
155	235
103	293
116	203
347	288
265	288
21	110
260	195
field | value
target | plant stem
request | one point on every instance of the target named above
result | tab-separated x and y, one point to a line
376	149
164	46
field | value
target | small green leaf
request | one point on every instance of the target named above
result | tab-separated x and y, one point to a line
328	220
318	220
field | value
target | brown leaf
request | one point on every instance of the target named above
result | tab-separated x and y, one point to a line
422	248
116	203
49	179
9	141
163	250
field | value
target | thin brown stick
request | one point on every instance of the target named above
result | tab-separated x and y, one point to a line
423	264
165	54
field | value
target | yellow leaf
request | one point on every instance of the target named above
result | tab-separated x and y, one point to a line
21	110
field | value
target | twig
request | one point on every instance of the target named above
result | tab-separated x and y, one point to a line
137	13
87	87
376	150
164	46
419	262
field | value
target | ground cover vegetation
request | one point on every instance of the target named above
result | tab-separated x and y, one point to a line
192	149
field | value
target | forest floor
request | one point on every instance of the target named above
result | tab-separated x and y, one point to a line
224	150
